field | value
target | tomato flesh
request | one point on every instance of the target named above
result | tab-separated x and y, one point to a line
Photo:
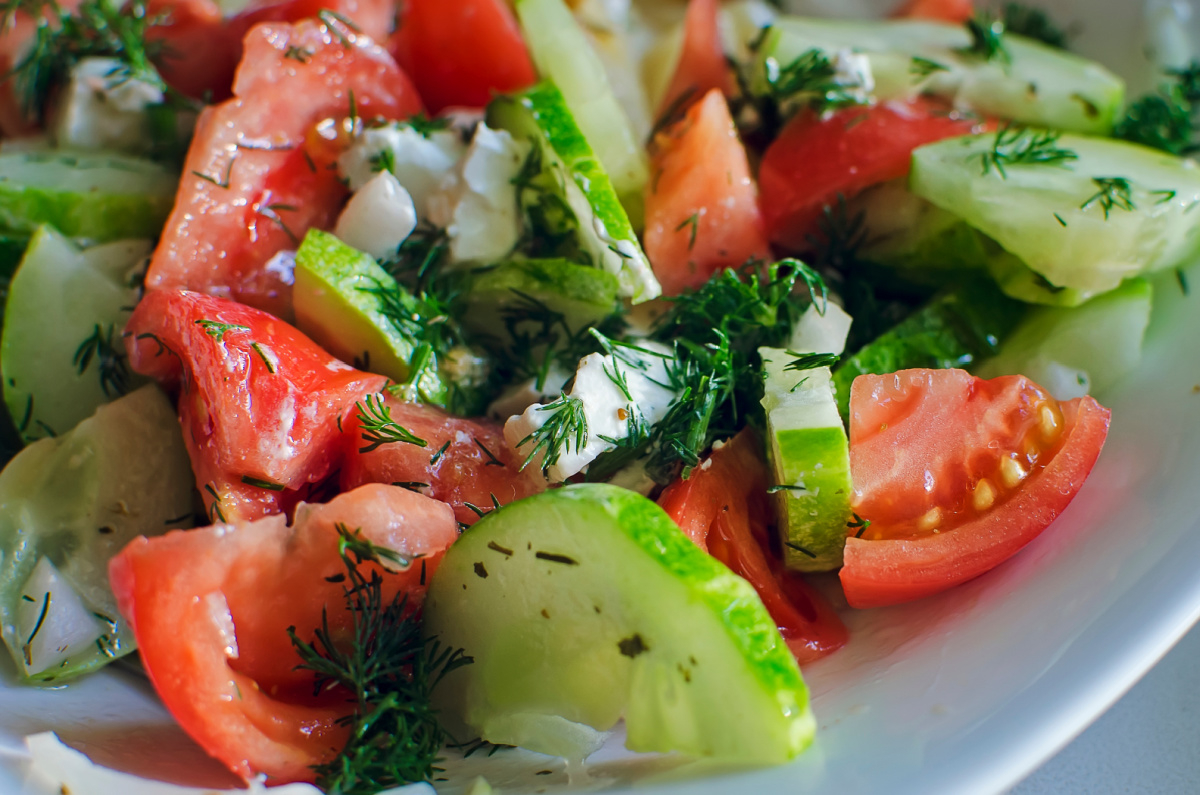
460	54
724	508
260	402
702	65
252	185
956	475
817	158
956	11
211	607
702	210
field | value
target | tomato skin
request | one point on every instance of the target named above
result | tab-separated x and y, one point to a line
889	571
956	11
702	66
219	238
724	507
244	417
702	212
464	473
461	53
816	159
252	710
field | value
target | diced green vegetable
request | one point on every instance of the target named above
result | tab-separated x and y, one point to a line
585	604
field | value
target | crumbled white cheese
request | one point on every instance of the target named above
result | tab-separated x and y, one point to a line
853	70
102	108
420	164
378	218
610	414
53	618
623	259
518	397
477	204
818	332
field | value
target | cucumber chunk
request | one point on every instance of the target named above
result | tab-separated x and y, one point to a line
1116	211
73	502
92	197
587	603
61	353
1073	352
1039	85
957	328
562	53
574	201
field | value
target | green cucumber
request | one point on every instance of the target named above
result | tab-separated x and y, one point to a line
587	603
61	352
584	209
957	328
562	53
1073	352
1054	217
74	502
1037	85
91	197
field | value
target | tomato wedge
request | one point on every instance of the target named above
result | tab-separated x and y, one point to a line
724	507
465	463
702	210
702	65
956	475
957	11
211	607
260	402
817	158
461	53
253	183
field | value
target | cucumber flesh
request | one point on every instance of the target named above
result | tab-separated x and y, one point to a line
562	53
1073	352
63	302
91	197
587	603
1050	217
77	500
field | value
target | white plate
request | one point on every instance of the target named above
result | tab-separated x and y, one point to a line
964	692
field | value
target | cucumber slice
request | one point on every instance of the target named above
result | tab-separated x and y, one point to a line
1051	217
63	303
92	197
600	232
957	328
1073	352
562	53
76	501
810	459
1040	85
585	603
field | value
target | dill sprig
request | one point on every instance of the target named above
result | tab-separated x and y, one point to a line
987	39
566	429
1033	23
1113	193
378	428
1017	145
111	361
1165	119
389	671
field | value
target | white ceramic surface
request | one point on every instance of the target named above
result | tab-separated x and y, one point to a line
964	692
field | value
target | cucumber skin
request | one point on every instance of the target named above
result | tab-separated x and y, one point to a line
640	528
956	329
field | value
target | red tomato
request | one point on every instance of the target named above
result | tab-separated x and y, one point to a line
956	475
260	402
724	504
701	206
476	466
202	46
816	159
461	53
958	11
254	181
702	66
211	607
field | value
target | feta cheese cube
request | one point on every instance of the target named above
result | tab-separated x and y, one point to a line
102	108
378	218
420	164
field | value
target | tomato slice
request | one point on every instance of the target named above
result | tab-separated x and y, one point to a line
259	401
252	185
816	159
464	462
956	475
702	65
702	210
211	607
724	507
461	53
957	11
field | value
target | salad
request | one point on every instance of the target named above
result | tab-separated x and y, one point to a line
395	382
